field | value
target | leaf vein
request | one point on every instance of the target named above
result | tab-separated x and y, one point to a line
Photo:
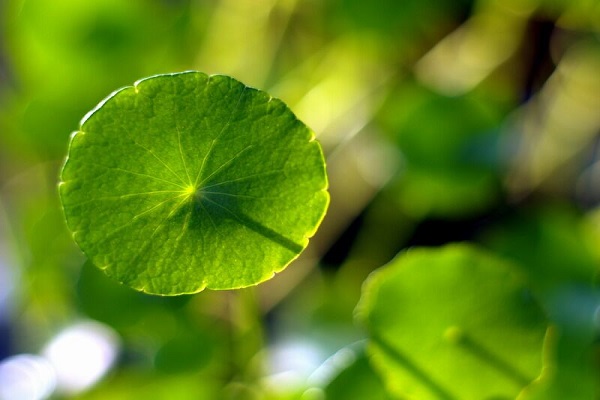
181	154
142	174
226	164
161	161
221	132
243	178
136	217
121	197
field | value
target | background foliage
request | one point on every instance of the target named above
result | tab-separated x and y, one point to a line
442	121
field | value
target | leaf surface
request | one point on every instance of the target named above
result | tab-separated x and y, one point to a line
188	181
453	323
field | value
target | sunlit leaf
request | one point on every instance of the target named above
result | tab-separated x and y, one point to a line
453	323
187	181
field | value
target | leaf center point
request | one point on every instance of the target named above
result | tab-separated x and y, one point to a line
189	190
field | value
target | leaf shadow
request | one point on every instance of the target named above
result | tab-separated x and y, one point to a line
223	207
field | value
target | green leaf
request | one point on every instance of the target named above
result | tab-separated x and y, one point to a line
453	323
187	181
450	147
357	381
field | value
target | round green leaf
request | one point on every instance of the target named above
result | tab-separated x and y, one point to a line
453	323
186	181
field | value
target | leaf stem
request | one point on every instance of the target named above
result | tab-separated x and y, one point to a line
246	335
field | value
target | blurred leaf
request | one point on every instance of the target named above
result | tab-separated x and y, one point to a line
185	352
436	131
554	244
133	385
576	358
82	44
437	318
357	381
551	242
169	338
450	147
452	193
416	21
186	181
102	298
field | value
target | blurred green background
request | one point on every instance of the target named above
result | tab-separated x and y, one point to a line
442	121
